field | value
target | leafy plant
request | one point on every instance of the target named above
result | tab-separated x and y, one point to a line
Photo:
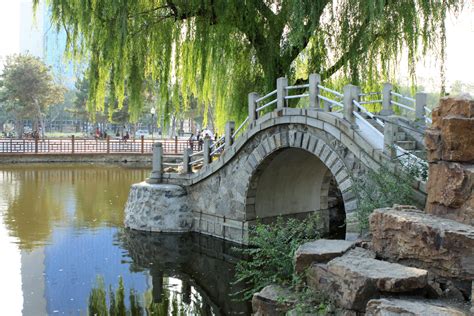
382	188
269	257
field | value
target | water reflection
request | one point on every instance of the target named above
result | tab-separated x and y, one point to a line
62	227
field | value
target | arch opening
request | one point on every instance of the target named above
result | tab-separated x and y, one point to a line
293	182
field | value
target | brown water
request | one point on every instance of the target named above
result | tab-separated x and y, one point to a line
61	226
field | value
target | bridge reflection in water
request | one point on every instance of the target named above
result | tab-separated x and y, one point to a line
194	267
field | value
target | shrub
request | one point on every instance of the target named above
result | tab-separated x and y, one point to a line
269	257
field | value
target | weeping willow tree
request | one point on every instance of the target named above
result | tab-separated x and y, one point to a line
217	51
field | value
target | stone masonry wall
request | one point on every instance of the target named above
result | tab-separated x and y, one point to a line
450	147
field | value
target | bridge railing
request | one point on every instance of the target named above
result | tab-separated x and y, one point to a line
356	106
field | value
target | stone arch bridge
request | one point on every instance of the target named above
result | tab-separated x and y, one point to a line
281	161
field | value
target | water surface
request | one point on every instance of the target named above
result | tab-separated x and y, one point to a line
61	226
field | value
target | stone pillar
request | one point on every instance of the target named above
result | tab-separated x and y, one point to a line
229	130
389	136
206	152
386	99
314	82
157	164
450	148
282	83
420	104
253	96
186	160
351	93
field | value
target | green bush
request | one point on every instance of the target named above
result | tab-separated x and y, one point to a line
269	257
382	188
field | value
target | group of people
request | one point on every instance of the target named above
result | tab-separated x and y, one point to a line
99	134
200	137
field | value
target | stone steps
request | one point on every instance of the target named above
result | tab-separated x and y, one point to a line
391	306
406	144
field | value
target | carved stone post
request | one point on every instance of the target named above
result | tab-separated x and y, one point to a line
157	162
229	130
186	161
282	83
420	104
387	99
389	136
253	96
351	93
314	82
206	154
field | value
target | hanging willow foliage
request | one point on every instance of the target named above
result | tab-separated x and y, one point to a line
216	51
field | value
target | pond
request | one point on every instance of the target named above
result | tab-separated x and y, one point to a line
62	235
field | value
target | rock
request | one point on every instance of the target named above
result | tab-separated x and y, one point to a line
392	307
457	139
450	186
352	281
442	246
361	252
462	106
158	207
319	251
272	300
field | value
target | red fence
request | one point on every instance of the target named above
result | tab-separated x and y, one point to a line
75	145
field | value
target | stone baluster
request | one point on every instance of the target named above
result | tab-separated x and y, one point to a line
387	99
157	164
186	161
389	137
253	96
282	83
351	93
420	104
206	154
229	130
314	82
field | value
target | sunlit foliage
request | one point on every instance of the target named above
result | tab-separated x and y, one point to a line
219	50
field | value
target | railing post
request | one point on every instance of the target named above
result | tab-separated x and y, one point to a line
157	163
229	130
314	82
420	104
387	99
142	144
186	159
253	96
176	145
389	136
351	93
36	144
282	83
206	151
72	144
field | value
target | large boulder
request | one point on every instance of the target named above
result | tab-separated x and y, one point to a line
319	251
393	307
352	280
272	300
409	236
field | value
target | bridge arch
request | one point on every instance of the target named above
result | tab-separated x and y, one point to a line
295	174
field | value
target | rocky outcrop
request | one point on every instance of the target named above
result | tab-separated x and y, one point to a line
450	147
351	280
405	235
393	307
319	251
272	300
158	207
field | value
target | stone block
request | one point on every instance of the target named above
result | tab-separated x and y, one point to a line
319	251
333	130
314	122
450	191
440	245
412	307
462	106
351	280
272	300
457	139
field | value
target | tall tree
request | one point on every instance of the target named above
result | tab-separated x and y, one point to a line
28	89
219	50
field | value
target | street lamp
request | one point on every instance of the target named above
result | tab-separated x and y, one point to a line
152	111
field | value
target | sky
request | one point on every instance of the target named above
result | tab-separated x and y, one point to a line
460	45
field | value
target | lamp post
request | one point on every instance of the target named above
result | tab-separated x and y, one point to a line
152	111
